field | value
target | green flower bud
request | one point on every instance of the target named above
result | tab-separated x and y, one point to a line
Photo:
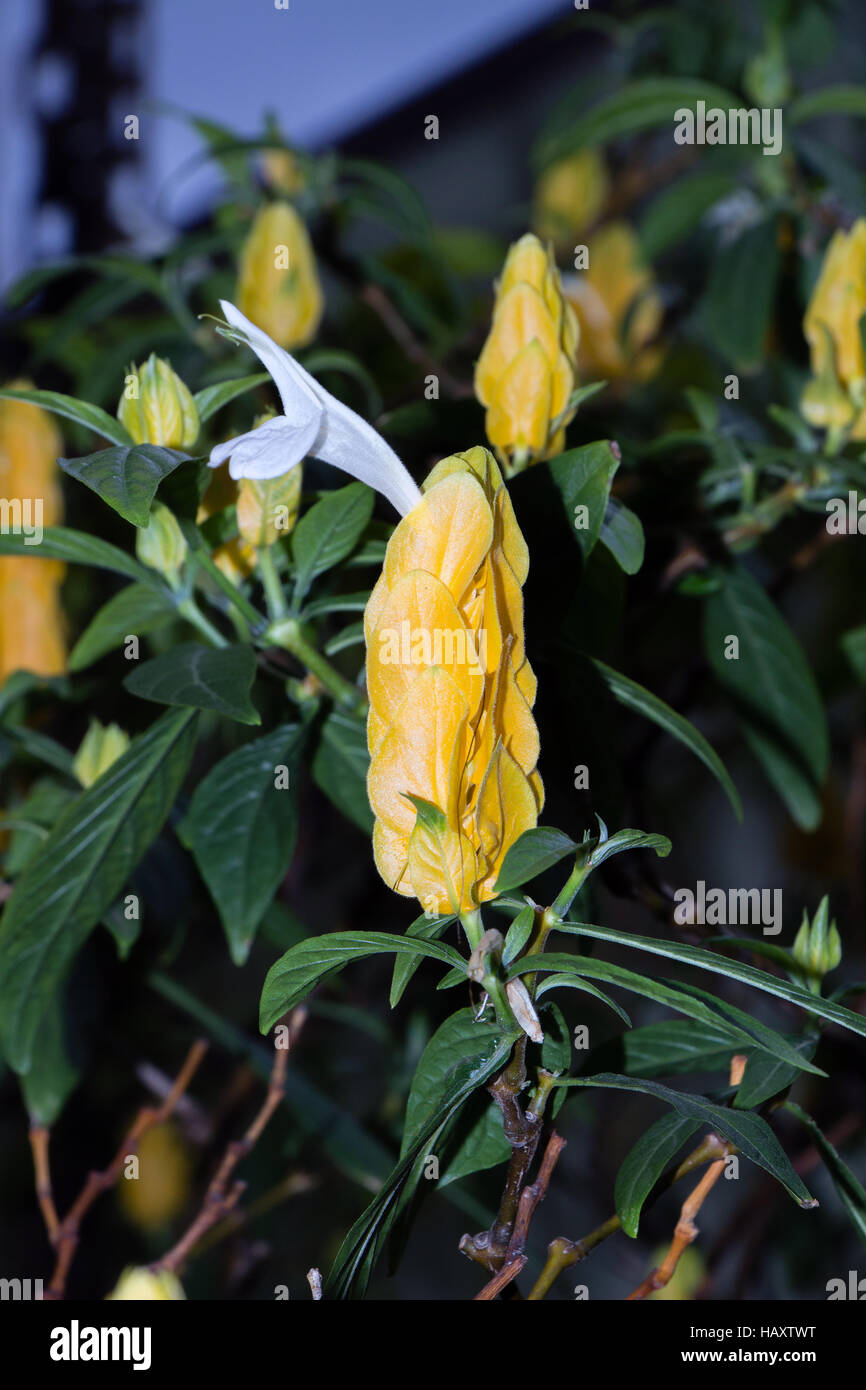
101	746
161	544
157	408
817	947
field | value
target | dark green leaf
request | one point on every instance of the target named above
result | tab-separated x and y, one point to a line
536	850
622	533
328	532
582	477
566	981
126	478
340	765
845	99
752	1135
850	1189
213	398
644	1164
426	929
741	292
675	212
78	873
201	678
242	828
773	689
76	548
636	697
82	412
518	933
292	977
137	609
766	1076
53	1074
625	840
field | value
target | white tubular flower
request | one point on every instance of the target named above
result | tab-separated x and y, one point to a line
313	422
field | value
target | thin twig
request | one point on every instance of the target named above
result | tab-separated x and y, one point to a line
220	1199
65	1237
377	299
501	1280
40	1138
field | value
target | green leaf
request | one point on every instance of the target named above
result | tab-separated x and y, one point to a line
53	1074
78	873
76	548
622	533
533	852
82	412
678	1046
328	532
582	477
846	99
426	929
457	1043
637	698
752	1135
624	840
773	689
212	398
483	1146
647	104
566	981
850	1189
126	478
853	643
733	970
292	977
766	1076
137	609
360	1250
340	765
644	1164
739	299
676	211
241	830
200	677
518	933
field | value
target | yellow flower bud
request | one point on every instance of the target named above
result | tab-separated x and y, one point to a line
570	195
836	395
526	372
278	285
282	172
161	544
451	691
101	746
141	1285
157	408
160	1191
31	619
817	946
619	309
268	507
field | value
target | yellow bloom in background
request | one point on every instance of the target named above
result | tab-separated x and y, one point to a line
268	508
236	558
31	619
278	285
282	171
161	1190
570	195
157	407
141	1285
526	372
619	308
835	398
101	746
451	691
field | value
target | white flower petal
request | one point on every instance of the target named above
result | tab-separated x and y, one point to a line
269	451
342	438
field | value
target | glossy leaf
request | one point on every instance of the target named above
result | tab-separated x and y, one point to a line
81	412
126	478
200	677
644	1164
136	609
328	532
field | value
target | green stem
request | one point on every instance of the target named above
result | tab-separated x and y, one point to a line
288	635
276	599
473	927
193	614
231	591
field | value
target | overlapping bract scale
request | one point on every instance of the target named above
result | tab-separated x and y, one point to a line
451	691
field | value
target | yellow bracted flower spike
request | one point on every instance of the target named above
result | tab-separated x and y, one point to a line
32	634
619	308
835	398
451	691
278	285
525	375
